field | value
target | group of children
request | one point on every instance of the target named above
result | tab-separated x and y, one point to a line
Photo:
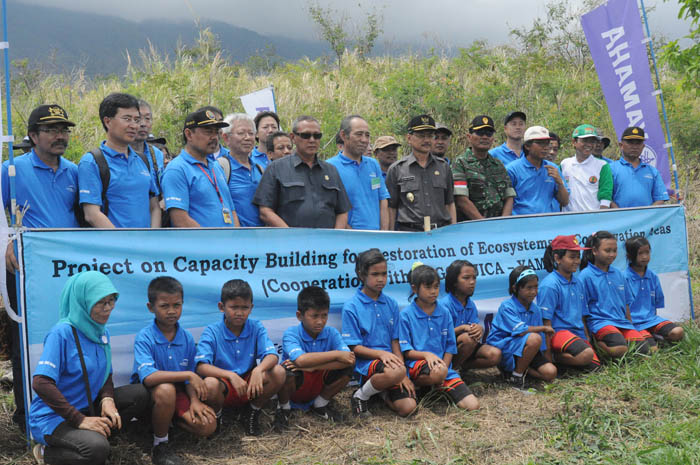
563	322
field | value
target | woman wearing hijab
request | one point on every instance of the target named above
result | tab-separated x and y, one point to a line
59	416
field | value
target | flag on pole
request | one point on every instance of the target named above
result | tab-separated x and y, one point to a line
618	46
260	100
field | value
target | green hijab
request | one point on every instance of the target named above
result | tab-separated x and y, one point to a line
80	293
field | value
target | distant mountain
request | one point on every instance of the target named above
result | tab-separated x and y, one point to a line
61	40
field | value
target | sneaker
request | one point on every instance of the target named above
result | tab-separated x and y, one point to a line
281	421
251	421
163	454
38	453
517	382
328	413
359	407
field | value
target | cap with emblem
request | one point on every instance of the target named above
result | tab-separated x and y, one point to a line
202	119
583	131
633	133
48	114
480	122
421	123
601	137
567	243
514	114
383	142
536	133
442	128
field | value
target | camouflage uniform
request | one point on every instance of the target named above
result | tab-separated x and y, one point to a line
485	182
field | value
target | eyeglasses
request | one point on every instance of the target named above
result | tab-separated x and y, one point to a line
542	142
484	132
130	119
309	135
56	131
423	134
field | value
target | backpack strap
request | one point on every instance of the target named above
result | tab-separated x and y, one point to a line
226	166
86	380
105	176
149	147
260	168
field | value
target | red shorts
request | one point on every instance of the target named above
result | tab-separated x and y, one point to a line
232	398
565	341
628	334
311	386
182	401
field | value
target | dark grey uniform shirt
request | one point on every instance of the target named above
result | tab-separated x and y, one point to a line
417	192
303	197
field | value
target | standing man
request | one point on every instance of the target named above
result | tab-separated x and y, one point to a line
441	142
554	146
46	185
131	196
194	187
362	177
535	180
386	151
482	186
420	184
512	148
279	144
600	145
220	148
266	122
635	183
141	145
589	178
301	191
244	174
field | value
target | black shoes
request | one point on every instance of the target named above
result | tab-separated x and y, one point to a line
163	454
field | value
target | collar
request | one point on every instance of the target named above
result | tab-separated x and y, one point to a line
296	160
411	158
635	276
625	162
345	160
113	153
590	159
229	336
520	307
597	270
235	164
37	163
160	337
420	314
365	299
192	160
455	301
563	280
256	152
306	337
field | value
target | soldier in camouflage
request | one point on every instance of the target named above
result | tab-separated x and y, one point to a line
482	188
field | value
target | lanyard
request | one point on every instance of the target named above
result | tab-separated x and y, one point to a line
213	183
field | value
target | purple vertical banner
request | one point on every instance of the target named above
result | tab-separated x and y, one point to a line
616	40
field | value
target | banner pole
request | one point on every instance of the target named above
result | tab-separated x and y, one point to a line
661	96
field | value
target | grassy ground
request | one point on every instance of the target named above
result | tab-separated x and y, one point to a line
641	410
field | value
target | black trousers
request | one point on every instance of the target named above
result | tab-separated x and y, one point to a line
15	352
72	446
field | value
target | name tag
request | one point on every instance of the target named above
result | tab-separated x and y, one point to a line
227	216
376	183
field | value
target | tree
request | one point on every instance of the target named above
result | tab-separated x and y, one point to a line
333	29
686	61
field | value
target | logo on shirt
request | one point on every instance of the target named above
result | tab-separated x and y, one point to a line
593	180
444	331
70	188
145	173
184	362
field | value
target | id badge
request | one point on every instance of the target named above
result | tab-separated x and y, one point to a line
227	216
376	183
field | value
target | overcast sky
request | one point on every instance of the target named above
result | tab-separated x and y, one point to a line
451	23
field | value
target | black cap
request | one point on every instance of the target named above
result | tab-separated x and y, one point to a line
480	122
421	123
156	140
49	114
203	119
633	133
24	144
442	128
514	114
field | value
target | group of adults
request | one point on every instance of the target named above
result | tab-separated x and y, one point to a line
221	178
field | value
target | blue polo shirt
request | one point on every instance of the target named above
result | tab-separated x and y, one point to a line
427	333
60	362
199	189
607	297
636	187
131	186
50	195
222	151
296	342
506	155
535	188
242	184
563	302
370	323
461	314
647	296
153	352
365	188
260	158
218	346
511	321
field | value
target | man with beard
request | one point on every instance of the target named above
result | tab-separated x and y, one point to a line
46	186
194	187
482	186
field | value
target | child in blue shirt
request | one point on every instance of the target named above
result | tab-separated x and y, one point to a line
371	330
460	282
164	363
227	354
427	339
519	332
647	295
562	299
608	298
319	362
